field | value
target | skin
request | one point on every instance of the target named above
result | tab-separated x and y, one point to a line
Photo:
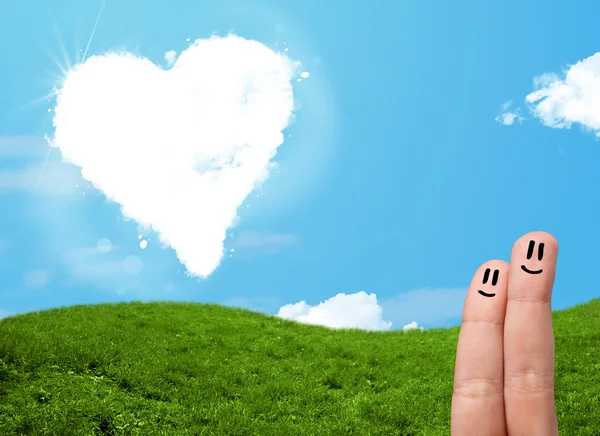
504	375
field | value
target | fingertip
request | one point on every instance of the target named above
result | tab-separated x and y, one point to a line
539	236
491	281
493	264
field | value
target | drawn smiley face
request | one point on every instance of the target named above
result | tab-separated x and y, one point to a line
486	277
540	256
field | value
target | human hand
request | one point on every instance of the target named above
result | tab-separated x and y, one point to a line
504	374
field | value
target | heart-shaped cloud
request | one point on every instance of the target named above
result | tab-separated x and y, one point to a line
178	149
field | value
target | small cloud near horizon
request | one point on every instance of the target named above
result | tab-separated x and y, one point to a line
412	326
359	310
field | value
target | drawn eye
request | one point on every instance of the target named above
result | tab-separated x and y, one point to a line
486	276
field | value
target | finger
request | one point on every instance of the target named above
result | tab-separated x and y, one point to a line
528	337
478	400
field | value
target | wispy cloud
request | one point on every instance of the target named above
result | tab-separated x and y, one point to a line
508	117
37	278
53	178
359	310
23	146
30	166
113	269
428	306
257	239
412	326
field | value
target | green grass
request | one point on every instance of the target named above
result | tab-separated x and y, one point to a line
195	369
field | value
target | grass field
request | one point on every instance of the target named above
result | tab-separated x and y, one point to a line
195	369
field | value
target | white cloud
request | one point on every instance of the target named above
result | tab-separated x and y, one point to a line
359	310
179	149
559	103
170	57
509	117
37	278
412	326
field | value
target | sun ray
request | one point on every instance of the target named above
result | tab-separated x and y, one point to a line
93	30
63	50
78	44
56	78
37	184
64	69
35	103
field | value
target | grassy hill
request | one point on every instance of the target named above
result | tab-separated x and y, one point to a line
195	369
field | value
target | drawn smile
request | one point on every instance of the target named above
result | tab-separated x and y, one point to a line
486	277
540	256
524	268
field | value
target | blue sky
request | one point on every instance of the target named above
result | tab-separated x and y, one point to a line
398	176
